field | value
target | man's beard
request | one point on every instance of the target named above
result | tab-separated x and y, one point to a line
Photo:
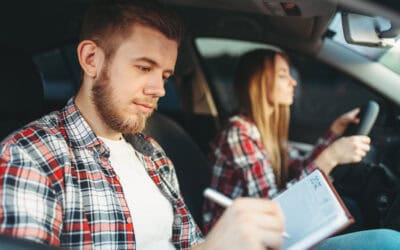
103	100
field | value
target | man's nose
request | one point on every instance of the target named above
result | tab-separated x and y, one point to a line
155	87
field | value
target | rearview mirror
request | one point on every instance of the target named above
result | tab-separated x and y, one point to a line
366	30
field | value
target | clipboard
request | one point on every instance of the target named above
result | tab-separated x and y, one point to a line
313	210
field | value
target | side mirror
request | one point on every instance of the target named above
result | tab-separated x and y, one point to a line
368	31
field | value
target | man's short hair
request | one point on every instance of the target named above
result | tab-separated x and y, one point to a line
108	22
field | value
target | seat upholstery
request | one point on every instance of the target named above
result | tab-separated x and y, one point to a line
190	163
21	95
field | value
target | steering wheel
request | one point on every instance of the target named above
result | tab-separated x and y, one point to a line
367	115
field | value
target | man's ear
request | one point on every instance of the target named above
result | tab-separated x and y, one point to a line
89	56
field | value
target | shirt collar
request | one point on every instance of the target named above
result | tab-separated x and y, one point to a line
78	131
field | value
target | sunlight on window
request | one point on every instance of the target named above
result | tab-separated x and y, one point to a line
391	59
210	47
387	56
370	52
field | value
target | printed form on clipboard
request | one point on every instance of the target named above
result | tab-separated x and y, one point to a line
313	211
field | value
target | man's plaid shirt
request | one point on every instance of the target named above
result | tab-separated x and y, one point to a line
57	187
241	166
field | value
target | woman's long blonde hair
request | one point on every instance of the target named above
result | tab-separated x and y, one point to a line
255	86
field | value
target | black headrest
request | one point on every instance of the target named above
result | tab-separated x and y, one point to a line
21	85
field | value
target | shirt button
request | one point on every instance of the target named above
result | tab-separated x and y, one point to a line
178	220
129	220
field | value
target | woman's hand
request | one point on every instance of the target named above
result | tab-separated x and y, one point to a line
344	150
342	122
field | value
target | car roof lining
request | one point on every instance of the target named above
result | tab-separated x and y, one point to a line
45	24
306	8
36	28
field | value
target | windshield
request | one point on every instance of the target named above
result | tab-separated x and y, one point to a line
387	56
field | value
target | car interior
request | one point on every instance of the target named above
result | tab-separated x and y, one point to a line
335	72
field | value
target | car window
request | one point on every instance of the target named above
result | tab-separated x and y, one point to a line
391	58
387	56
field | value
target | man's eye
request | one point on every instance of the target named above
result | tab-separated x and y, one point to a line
143	68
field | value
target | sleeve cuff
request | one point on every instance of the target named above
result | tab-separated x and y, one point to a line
330	136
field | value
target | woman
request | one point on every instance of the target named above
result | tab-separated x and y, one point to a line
251	155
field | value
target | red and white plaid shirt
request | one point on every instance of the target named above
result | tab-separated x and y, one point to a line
57	187
241	166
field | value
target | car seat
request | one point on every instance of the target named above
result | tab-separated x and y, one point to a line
21	97
190	163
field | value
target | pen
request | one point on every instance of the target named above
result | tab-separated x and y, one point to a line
224	201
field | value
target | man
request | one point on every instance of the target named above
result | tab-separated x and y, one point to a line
85	177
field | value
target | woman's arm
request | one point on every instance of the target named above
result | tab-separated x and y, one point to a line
330	152
300	166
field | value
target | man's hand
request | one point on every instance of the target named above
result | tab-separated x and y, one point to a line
249	223
342	122
344	150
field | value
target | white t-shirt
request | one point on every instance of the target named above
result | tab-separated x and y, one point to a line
151	212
